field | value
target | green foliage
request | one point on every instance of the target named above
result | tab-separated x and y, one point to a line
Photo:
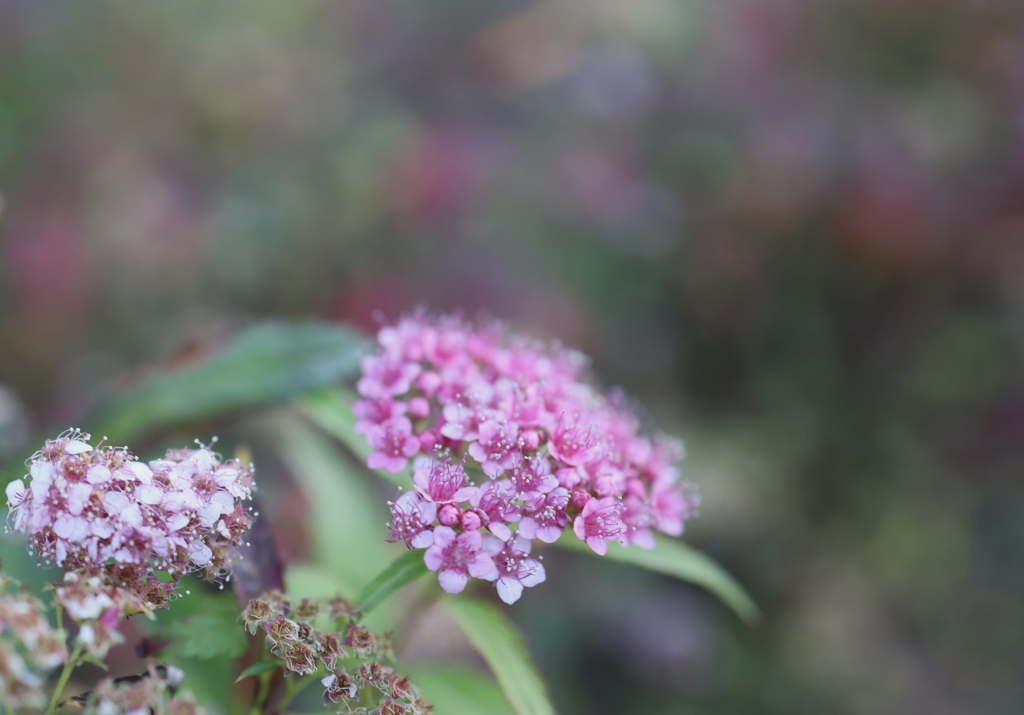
331	411
212	632
457	690
266	364
501	645
405	569
675	558
204	637
345	519
264	666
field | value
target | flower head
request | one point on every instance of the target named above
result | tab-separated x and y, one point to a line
314	634
101	512
29	647
513	440
154	691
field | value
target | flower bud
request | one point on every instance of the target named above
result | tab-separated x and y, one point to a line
419	408
448	515
530	439
470	521
427	441
428	382
578	500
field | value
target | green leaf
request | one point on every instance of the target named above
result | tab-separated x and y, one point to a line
501	645
213	632
405	569
331	411
315	581
675	558
346	520
7	477
457	689
264	666
266	364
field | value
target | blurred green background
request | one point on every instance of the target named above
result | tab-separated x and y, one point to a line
792	229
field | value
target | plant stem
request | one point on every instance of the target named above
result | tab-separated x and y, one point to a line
51	709
294	688
262	691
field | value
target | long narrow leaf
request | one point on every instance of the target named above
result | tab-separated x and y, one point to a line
266	364
457	690
674	558
331	411
264	666
502	647
405	569
346	520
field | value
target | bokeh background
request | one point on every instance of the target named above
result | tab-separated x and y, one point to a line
793	229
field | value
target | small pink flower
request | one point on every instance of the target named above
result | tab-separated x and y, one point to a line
608	480
569	477
457	557
544	515
441	480
385	376
411	520
637	521
495	446
572	445
532	474
393	445
462	421
672	505
497	503
599	521
515	568
373	413
448	345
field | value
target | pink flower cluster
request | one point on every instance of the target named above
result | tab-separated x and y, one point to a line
507	437
153	691
29	647
100	512
97	608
